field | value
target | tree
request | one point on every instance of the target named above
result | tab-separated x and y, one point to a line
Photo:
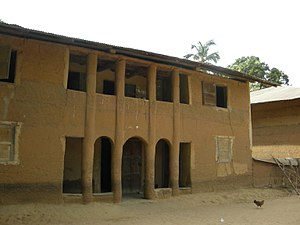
251	65
202	54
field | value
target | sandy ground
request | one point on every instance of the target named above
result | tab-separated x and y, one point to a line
226	207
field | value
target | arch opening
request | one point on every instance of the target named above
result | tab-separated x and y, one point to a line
133	167
162	158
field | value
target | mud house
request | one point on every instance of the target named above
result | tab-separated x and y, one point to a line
276	130
276	122
98	122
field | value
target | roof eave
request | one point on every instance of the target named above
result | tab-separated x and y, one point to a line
15	30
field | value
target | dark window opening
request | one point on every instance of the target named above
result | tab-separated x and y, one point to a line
76	81
130	90
108	87
8	62
185	165
136	82
105	78
184	89
72	165
77	73
164	86
221	96
214	95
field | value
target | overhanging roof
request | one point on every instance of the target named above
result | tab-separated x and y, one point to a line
283	161
18	31
273	94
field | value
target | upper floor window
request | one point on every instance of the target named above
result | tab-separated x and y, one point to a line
8	58
164	86
214	95
221	96
184	89
106	76
8	142
108	87
136	82
77	73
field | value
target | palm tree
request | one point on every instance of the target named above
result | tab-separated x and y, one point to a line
202	54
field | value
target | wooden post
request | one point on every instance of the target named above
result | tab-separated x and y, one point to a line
174	154
88	141
150	151
119	132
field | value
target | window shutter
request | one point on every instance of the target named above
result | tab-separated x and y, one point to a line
224	149
6	142
209	93
5	52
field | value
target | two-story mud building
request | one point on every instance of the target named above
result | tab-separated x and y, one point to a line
95	121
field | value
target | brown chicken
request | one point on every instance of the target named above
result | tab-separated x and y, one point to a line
259	203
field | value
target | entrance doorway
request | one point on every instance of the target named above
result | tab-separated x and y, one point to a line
162	164
133	167
102	165
185	165
72	165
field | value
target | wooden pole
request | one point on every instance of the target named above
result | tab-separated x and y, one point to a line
89	130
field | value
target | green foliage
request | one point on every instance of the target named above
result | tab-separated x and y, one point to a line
202	52
252	66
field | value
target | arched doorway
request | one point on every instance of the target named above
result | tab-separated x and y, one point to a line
102	165
133	167
162	158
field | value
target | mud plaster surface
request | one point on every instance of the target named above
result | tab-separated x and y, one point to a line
226	207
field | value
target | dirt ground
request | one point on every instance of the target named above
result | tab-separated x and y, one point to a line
222	207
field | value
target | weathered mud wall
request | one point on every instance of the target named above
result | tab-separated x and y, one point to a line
276	129
276	123
49	113
37	99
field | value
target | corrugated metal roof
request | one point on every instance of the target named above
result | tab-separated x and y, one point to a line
18	31
283	161
273	94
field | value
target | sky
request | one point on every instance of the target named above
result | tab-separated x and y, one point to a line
262	28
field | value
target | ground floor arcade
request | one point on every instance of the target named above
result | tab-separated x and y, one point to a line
135	171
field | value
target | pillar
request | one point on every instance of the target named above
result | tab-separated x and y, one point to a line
88	140
174	154
119	132
150	151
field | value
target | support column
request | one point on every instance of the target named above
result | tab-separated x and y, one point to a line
150	152
174	154
119	132
89	130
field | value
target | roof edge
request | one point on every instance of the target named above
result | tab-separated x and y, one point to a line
18	31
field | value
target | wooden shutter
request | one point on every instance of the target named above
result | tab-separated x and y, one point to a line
224	149
6	142
5	52
209	93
